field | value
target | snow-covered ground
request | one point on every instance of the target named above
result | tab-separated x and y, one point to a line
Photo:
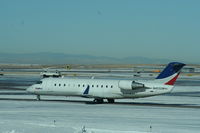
178	112
174	114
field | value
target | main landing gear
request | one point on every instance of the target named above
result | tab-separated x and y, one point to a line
100	101
111	100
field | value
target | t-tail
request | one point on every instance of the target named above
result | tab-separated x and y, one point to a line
169	75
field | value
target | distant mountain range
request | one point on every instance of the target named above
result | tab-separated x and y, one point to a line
59	58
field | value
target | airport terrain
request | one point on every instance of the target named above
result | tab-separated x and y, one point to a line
171	113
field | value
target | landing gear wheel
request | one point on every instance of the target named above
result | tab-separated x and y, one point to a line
111	100
99	101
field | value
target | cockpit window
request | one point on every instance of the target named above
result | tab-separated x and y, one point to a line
39	82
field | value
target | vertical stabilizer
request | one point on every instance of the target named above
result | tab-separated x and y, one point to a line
169	75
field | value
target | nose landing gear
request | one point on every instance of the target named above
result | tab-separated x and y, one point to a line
38	98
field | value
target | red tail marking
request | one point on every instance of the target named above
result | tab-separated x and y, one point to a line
172	81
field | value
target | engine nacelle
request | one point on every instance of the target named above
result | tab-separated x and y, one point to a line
130	85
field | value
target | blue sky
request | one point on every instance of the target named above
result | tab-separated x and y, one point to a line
115	28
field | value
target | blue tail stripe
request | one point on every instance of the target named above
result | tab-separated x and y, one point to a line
171	69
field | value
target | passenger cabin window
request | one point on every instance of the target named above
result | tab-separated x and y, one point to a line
64	84
111	86
97	86
106	86
83	85
92	85
54	84
101	86
78	85
59	84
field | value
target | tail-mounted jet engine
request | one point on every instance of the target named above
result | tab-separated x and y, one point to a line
130	85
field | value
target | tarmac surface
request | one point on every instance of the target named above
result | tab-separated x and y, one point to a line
176	112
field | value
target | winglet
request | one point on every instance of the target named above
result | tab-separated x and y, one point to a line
86	92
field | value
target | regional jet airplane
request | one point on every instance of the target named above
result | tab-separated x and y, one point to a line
109	89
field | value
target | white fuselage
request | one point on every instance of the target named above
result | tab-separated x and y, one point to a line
97	88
